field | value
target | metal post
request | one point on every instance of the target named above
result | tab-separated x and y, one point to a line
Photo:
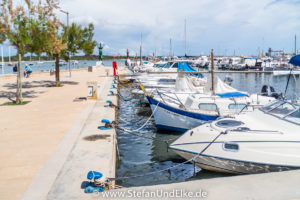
70	73
69	56
212	72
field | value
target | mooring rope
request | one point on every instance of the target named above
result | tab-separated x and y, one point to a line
174	166
128	99
131	131
143	136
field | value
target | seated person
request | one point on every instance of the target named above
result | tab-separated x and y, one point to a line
27	71
15	68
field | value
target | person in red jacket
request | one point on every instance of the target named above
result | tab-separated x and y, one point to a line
115	68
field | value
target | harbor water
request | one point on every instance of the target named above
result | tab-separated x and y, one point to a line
47	66
144	151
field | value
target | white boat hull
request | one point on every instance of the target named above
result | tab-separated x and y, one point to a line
232	166
168	118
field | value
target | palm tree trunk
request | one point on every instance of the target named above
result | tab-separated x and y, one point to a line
19	83
57	70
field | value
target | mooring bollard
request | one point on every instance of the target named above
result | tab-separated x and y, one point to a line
107	124
99	183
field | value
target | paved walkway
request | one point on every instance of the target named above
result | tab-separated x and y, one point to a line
30	133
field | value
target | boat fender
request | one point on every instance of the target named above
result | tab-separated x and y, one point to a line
167	145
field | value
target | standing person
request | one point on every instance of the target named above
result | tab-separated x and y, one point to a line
27	71
115	67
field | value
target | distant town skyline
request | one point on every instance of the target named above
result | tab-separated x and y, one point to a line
229	26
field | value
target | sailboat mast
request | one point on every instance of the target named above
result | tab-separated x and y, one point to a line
295	44
212	72
141	48
170	53
184	37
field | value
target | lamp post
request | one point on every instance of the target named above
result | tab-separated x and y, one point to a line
67	13
2	65
101	45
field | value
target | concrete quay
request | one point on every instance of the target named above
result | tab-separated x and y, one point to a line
39	136
90	148
268	186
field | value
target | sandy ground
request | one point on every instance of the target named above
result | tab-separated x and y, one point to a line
30	133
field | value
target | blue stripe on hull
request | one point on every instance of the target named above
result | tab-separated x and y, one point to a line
198	116
170	128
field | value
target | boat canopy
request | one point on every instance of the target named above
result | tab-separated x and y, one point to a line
184	66
222	89
295	60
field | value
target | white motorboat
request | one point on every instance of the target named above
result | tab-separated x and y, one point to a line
181	111
266	140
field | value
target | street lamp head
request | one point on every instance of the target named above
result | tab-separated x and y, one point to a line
66	12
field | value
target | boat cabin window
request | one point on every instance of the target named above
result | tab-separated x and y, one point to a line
228	123
294	117
231	146
237	106
208	106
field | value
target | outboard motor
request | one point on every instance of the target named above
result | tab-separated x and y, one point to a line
269	91
228	80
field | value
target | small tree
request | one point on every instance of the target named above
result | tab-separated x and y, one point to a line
89	44
54	44
14	27
78	39
38	35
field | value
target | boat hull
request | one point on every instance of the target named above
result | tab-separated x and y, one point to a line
231	166
170	118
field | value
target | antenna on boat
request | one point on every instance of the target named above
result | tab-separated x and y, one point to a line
212	72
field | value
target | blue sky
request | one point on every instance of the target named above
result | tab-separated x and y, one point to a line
227	26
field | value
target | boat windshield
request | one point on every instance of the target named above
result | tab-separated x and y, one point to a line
284	110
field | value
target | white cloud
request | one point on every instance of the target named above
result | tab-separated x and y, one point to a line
225	25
